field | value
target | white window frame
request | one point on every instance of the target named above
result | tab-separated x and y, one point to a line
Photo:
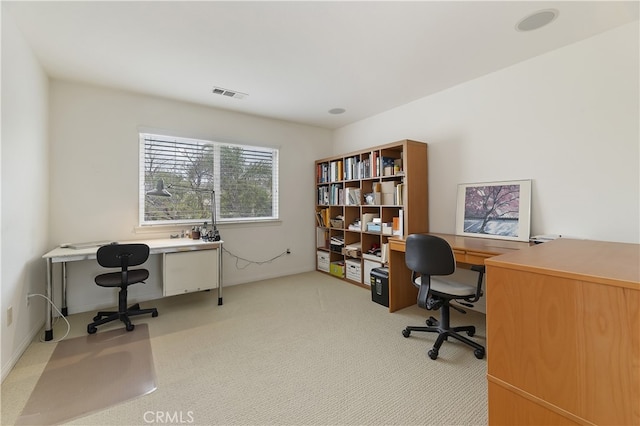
217	187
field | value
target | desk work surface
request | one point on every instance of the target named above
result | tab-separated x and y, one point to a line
599	261
159	245
467	251
486	246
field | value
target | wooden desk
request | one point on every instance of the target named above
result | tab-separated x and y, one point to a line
178	268
467	250
563	334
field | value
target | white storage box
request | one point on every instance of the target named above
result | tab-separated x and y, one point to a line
323	260
368	266
354	270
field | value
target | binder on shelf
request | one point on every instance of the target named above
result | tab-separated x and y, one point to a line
400	194
399	229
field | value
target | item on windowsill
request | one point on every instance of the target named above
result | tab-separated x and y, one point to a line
195	233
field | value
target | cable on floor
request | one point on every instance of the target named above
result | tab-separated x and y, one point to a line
60	316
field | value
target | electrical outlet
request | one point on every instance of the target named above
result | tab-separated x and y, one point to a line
288	251
9	315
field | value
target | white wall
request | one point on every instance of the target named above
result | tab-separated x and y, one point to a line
94	180
568	120
25	211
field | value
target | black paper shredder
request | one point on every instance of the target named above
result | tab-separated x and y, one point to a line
380	286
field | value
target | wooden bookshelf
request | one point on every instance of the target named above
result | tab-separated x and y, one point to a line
386	182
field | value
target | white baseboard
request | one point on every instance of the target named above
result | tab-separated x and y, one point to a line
22	347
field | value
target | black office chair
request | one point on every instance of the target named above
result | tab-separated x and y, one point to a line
429	257
121	256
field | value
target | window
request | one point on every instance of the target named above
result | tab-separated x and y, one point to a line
243	178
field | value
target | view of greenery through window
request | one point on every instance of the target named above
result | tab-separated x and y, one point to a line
243	177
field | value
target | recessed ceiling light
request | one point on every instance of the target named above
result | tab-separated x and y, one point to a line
337	111
537	20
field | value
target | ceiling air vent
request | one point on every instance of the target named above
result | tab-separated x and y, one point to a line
228	93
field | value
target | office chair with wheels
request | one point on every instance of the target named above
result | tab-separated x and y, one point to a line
121	256
429	258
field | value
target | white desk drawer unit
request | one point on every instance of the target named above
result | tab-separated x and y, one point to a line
185	272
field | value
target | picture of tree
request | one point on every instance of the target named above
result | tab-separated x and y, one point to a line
500	210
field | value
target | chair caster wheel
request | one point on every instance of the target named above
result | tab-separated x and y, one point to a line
471	332
130	327
154	314
91	329
406	333
479	353
431	322
433	353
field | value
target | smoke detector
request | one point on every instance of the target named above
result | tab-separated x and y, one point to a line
228	93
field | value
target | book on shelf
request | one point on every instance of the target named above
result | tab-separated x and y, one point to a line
384	252
335	171
352	168
398	224
322	217
387	166
352	196
375	164
322	238
366	218
399	194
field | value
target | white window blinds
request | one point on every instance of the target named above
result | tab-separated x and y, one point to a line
244	179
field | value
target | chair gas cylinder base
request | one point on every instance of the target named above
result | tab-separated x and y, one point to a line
121	256
430	258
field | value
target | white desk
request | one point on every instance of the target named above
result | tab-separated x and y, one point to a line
174	262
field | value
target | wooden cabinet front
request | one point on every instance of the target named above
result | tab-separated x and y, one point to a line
563	342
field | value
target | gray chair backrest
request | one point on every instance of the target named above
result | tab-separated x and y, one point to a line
429	255
122	255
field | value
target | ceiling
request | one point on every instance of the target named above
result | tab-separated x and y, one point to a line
297	60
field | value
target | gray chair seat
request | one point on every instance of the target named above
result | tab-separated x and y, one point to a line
114	279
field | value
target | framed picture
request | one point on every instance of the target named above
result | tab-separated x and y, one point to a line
499	210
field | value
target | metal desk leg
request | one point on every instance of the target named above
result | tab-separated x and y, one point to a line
48	328
220	275
64	289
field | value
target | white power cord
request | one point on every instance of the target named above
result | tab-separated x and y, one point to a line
59	313
255	262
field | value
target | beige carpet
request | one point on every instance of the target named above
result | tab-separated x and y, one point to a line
305	349
90	373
